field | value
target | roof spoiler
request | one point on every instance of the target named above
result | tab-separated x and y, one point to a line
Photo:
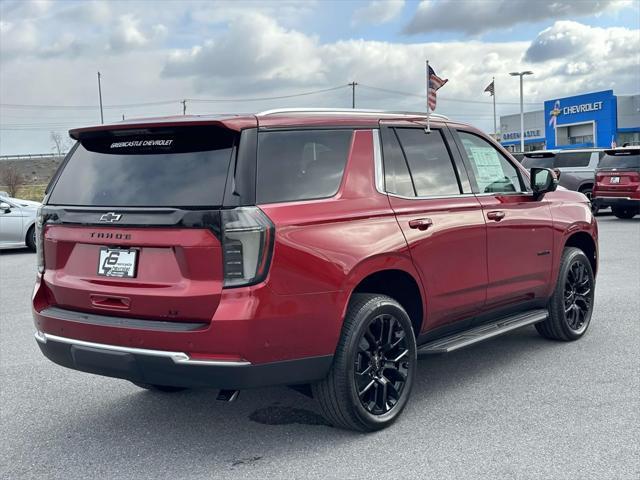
539	154
623	151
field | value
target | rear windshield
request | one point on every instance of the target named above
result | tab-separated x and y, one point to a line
544	162
630	159
572	159
300	164
151	168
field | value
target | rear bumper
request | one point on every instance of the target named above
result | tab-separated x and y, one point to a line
624	202
159	367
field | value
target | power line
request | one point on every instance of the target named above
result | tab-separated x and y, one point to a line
259	99
447	99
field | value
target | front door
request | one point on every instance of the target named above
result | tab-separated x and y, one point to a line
441	219
519	228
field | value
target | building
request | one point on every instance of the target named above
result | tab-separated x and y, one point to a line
598	119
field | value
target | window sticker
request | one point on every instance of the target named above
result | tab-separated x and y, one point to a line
488	165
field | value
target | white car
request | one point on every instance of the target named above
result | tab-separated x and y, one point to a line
17	223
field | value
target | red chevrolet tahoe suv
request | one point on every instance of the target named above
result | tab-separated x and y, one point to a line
321	249
617	182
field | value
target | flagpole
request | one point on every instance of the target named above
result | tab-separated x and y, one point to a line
428	130
495	128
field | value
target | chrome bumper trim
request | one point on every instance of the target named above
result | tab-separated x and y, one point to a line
179	358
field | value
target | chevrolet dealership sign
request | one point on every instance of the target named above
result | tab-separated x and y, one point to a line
598	110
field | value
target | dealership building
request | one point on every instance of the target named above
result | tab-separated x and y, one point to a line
597	119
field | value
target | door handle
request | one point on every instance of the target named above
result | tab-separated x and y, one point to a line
497	215
420	223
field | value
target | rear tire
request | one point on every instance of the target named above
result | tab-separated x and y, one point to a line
373	368
30	239
571	304
159	388
624	212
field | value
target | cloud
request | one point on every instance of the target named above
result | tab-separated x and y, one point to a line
573	41
472	17
253	50
377	12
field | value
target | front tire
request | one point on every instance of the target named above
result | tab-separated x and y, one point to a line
624	212
571	304
374	366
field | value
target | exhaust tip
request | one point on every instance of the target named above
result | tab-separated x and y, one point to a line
228	395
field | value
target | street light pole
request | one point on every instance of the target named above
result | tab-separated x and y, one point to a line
521	75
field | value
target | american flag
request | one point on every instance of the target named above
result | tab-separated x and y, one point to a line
491	88
434	82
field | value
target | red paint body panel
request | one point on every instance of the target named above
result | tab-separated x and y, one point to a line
450	255
519	249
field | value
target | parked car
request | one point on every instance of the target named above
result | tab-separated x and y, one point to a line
322	249
618	182
17	223
576	167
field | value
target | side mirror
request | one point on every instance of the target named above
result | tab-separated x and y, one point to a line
543	180
5	207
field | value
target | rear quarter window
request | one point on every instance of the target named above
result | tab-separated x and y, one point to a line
301	164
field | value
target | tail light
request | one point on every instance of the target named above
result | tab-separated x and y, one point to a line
247	243
40	240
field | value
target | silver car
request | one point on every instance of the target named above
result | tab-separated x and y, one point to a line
17	223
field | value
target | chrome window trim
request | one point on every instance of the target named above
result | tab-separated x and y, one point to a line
377	160
179	358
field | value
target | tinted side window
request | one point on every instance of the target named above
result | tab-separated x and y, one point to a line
397	178
301	164
429	160
493	172
572	159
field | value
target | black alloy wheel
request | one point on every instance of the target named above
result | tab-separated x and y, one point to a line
382	364
373	368
571	305
577	296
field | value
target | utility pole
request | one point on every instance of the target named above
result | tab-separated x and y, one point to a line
100	95
184	106
353	94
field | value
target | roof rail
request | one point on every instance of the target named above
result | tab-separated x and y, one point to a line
342	111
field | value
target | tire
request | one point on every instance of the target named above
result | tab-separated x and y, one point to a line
30	239
624	212
571	304
159	388
364	369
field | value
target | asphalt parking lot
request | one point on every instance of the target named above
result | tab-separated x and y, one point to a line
515	407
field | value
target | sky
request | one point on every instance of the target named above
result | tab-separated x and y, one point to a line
233	56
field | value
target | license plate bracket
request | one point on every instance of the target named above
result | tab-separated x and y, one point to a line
118	262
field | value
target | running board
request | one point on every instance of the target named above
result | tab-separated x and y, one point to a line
483	332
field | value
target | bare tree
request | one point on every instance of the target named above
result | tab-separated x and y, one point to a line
59	144
12	179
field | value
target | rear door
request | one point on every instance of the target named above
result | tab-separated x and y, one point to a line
519	228
441	220
133	224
